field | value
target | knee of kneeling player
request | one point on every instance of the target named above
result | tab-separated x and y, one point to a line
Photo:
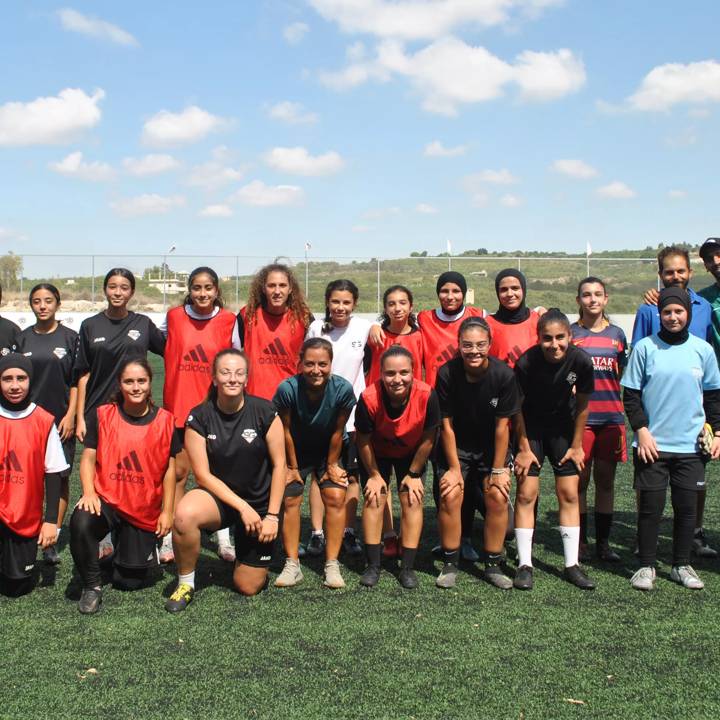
248	586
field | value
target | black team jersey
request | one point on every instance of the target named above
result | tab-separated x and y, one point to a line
236	447
474	406
9	334
547	387
52	355
104	345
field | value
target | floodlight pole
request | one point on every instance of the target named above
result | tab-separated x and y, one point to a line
169	251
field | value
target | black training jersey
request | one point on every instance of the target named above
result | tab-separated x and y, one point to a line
474	406
236	447
52	355
548	387
9	334
105	344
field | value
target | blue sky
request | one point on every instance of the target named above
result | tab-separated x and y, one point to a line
364	127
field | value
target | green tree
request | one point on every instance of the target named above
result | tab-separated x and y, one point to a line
10	269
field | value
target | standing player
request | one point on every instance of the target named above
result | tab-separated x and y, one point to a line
478	395
272	327
556	380
604	438
314	407
672	386
127	471
9	334
106	342
196	331
513	325
348	336
237	453
32	460
51	348
396	419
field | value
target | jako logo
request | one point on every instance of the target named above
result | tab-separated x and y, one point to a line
196	361
100	339
277	352
129	469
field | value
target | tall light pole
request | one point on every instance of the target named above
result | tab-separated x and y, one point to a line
169	251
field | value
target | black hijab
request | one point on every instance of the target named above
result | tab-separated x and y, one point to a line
521	313
14	360
675	296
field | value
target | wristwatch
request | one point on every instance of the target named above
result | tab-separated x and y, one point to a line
415	475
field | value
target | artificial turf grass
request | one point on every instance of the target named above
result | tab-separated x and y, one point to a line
312	652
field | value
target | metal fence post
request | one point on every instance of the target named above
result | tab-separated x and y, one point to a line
378	286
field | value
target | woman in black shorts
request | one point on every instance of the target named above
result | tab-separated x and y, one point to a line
236	448
314	407
50	345
127	471
396	422
478	395
556	379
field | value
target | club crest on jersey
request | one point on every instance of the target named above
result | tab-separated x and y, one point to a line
571	378
133	334
59	353
494	402
248	435
5	351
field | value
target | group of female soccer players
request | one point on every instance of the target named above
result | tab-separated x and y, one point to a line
262	404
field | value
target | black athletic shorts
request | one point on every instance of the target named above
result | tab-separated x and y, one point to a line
180	435
683	470
474	467
248	549
68	447
17	554
307	468
135	548
552	443
386	466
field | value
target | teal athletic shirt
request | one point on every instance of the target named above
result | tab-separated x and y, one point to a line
672	379
311	427
712	295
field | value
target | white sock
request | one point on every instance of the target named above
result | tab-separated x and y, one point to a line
223	537
698	530
318	533
349	531
107	540
57	534
188	579
523	539
571	539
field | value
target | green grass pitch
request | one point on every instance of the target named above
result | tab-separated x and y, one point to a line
308	652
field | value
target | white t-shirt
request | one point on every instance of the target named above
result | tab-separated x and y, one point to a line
348	351
54	456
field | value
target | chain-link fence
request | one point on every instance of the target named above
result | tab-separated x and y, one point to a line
162	279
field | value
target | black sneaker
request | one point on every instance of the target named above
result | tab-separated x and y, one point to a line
578	578
408	579
180	599
50	556
316	546
351	545
371	576
604	552
90	600
523	578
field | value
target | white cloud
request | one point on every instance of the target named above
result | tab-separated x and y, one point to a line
298	161
295	32
437	149
190	125
216	211
426	209
49	120
674	83
292	113
577	169
150	165
74	166
616	190
422	19
258	194
77	22
493	177
449	72
8	234
511	201
216	172
677	194
148	204
479	199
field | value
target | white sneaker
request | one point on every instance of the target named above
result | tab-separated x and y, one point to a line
333	578
226	552
105	549
644	579
167	554
291	574
687	577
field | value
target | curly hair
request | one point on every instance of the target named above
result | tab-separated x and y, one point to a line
298	308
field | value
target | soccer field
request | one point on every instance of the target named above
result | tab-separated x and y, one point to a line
309	652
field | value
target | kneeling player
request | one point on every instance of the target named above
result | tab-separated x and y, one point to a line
396	421
31	461
127	471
